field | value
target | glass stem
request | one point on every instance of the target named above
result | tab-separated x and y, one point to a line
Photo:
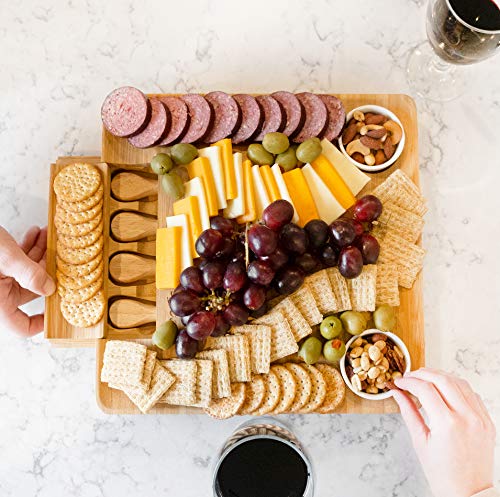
440	65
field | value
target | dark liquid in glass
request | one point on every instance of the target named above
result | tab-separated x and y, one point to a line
456	42
262	468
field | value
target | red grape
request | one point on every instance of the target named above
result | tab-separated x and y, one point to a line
329	256
277	214
227	249
254	297
221	325
369	248
236	314
209	243
358	227
213	274
191	279
184	303
277	259
178	289
289	279
185	346
235	276
350	262
201	325
317	230
342	232
260	311
201	345
185	319
260	272
222	224
262	240
368	208
293	239
308	263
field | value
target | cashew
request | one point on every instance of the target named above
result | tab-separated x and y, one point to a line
359	342
372	389
369	160
374	353
365	363
357	146
356	352
373	372
356	383
356	363
369	127
358	115
380	344
396	374
395	129
362	375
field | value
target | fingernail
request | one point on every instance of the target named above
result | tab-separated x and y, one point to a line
49	287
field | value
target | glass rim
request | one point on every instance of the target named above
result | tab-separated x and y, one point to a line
470	26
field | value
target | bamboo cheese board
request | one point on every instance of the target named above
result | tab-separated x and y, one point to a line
135	206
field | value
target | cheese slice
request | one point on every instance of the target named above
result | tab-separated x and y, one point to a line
190	207
270	182
327	205
226	150
284	193
213	154
237	206
261	197
168	257
200	168
250	211
353	177
194	188
182	221
334	181
301	196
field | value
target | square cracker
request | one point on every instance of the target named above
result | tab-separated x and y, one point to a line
363	289
406	224
183	392
340	289
238	354
147	374
321	288
123	363
221	383
387	285
204	376
305	302
298	322
282	340
260	345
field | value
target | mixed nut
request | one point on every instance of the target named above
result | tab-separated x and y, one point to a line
371	138
372	362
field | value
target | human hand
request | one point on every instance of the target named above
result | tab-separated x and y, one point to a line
456	447
23	278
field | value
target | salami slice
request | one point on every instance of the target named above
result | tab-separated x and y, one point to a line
200	117
294	113
155	128
251	117
316	117
179	119
336	117
274	117
125	111
226	116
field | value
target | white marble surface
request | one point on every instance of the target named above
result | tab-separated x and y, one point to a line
58	61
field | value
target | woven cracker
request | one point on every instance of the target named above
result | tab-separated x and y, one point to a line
183	392
288	389
221	383
79	295
340	289
305	302
149	365
272	395
404	223
82	281
387	285
318	392
77	182
408	256
84	205
87	313
63	216
78	270
260	346
335	389
75	230
363	289
254	395
204	383
81	241
282	341
322	291
304	386
229	406
297	321
238	355
82	255
123	363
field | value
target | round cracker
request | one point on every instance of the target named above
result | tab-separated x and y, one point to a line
84	205
78	270
227	407
81	255
64	216
335	389
79	295
81	241
288	388
272	396
77	182
304	386
318	392
74	283
68	229
87	313
254	395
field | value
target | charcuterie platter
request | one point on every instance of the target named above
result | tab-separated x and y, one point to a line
152	234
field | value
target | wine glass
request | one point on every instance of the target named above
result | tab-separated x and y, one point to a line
459	32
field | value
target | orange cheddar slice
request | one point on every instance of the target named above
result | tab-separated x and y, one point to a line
270	182
168	257
301	196
191	208
200	168
250	210
333	181
226	150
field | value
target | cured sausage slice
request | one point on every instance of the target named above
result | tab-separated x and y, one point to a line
251	117
336	117
200	117
294	113
273	116
316	117
155	128
226	116
179	119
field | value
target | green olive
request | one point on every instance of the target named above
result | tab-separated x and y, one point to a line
172	185
287	160
275	143
334	350
309	150
384	318
310	350
161	164
354	322
331	327
259	155
165	335
183	153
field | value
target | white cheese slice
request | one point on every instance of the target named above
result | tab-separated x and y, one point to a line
327	205
213	154
194	188
284	194
353	177
262	199
237	206
182	221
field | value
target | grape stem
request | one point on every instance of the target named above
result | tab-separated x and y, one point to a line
247	253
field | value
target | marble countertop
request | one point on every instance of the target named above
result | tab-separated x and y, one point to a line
59	60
